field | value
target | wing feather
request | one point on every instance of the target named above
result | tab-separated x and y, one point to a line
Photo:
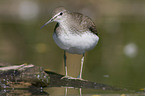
85	21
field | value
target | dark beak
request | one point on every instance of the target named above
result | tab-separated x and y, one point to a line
51	20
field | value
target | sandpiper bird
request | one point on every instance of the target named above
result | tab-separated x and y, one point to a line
74	33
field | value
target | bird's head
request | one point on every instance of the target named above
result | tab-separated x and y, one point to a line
58	15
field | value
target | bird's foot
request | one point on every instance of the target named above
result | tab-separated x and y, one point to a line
80	78
69	77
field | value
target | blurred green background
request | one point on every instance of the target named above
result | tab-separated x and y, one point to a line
118	59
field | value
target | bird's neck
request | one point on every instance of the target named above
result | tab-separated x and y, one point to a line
67	21
65	25
68	25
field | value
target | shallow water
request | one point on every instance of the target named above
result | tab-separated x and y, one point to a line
69	92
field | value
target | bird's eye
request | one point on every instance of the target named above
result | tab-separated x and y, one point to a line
60	13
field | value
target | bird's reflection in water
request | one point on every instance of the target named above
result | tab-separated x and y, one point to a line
66	91
80	91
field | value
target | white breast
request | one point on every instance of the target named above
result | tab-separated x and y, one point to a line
76	43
